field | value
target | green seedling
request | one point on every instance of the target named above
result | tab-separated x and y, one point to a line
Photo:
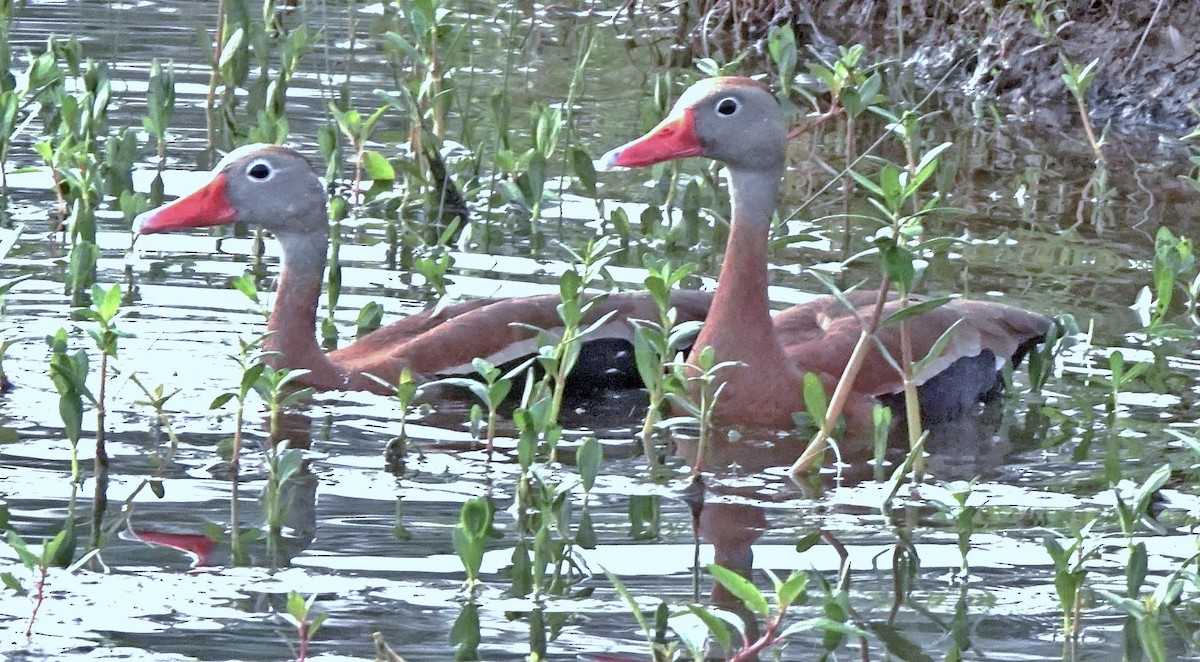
284	464
660	650
251	370
1070	573
471	536
589	458
699	400
38	560
656	342
491	391
104	311
964	518
160	108
1148	612
156	400
559	351
8	239
369	319
1174	268
1120	376
406	389
300	614
896	196
276	388
69	371
524	176
1078	78
543	560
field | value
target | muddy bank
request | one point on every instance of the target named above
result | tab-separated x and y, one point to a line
1002	51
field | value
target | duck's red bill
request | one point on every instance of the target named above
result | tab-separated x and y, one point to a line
674	138
206	207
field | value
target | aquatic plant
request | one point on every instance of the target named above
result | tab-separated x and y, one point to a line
156	400
300	614
559	349
1078	78
241	42
471	535
655	344
251	370
68	372
406	390
490	389
1070	572
698	401
523	177
160	108
964	518
1174	268
38	561
895	195
8	238
104	310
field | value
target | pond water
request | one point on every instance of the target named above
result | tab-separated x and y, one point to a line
371	536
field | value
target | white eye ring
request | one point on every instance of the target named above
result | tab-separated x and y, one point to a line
260	170
728	107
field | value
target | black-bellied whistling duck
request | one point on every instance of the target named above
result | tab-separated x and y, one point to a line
276	188
738	122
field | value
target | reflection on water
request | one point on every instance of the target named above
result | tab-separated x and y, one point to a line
373	539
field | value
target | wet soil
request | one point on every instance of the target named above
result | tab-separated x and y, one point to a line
1148	51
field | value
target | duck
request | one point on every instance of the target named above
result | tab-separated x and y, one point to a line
740	123
276	188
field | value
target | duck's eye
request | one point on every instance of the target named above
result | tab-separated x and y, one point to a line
259	170
728	106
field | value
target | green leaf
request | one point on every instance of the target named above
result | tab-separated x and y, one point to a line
585	171
899	263
231	47
588	458
824	624
815	399
377	167
246	285
793	588
936	350
913	310
718	628
807	541
296	606
740	587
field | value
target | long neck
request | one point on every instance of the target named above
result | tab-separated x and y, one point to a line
740	317
293	323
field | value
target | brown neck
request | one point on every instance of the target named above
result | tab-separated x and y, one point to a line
739	326
293	323
739	322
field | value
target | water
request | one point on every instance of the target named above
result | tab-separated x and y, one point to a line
374	544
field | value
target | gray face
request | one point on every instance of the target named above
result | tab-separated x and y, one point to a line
738	123
275	187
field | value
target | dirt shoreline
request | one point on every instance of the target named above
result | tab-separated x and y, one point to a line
1008	52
